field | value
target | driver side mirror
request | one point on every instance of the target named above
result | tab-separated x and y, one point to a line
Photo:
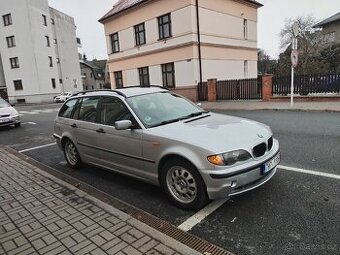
123	124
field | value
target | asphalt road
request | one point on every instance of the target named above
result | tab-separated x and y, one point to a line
294	213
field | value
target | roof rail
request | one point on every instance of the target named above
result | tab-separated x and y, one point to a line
98	90
148	86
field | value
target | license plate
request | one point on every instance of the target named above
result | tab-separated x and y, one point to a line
4	120
271	164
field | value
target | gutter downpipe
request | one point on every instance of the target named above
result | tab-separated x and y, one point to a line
199	41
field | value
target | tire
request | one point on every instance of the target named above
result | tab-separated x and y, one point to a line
183	184
71	154
17	125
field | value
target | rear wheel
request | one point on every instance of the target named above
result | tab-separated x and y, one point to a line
183	184
71	154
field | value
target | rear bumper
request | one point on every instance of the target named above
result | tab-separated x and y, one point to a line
221	184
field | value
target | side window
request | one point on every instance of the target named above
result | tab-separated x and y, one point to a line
67	109
88	109
112	110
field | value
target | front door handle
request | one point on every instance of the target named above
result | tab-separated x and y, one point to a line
102	131
74	125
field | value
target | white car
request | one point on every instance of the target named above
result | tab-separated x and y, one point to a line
63	97
8	115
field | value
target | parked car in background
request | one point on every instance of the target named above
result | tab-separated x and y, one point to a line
63	97
162	138
8	115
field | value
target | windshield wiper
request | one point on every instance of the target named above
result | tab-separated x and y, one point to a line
195	114
191	115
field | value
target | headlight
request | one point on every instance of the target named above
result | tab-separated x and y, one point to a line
229	158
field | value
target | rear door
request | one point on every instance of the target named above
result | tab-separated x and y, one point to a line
86	129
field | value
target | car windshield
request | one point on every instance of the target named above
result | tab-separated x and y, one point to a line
163	108
4	103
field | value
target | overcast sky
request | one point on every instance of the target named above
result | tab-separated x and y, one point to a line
271	19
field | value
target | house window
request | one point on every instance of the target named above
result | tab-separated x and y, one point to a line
140	34
58	60
18	85
52	21
7	19
115	43
50	61
245	67
91	75
55	41
164	26
168	74
53	83
48	41
14	62
245	29
61	81
144	78
10	41
119	79
44	20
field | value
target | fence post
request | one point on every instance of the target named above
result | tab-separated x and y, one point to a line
212	87
267	87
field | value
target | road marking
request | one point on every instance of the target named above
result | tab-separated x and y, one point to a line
38	147
305	171
29	122
202	214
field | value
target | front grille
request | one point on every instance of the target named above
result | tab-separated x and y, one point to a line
259	150
270	143
4	116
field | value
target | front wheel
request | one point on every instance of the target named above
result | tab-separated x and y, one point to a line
71	155
183	184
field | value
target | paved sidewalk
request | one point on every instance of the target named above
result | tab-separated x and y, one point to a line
259	105
40	214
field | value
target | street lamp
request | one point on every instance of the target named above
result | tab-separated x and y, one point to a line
294	59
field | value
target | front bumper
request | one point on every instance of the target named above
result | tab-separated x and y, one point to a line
8	121
229	182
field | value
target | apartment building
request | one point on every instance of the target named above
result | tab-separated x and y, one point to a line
177	44
38	52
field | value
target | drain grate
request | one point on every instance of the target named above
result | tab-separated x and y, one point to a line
186	238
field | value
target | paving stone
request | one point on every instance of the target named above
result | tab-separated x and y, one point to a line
153	252
80	246
141	241
98	240
111	244
136	233
69	242
38	244
87	249
9	245
19	241
107	235
148	246
120	246
49	239
20	249
128	238
78	237
164	250
131	251
98	251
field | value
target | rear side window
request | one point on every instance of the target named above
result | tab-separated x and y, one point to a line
88	109
112	110
67	109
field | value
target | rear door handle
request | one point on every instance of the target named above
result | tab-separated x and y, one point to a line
74	125
100	131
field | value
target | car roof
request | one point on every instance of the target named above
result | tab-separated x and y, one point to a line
126	92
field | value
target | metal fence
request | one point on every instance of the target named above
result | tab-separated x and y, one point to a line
244	89
307	84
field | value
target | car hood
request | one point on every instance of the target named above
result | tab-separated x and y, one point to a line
216	132
8	110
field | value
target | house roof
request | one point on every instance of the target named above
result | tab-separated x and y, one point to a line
334	18
123	5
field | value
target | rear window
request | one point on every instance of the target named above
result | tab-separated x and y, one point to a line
67	109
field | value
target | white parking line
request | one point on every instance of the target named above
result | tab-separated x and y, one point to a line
311	172
38	147
29	123
202	214
214	205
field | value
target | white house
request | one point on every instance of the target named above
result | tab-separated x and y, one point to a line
38	49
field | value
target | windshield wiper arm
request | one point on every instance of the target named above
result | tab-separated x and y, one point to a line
195	114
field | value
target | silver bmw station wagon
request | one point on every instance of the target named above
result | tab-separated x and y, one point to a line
162	138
